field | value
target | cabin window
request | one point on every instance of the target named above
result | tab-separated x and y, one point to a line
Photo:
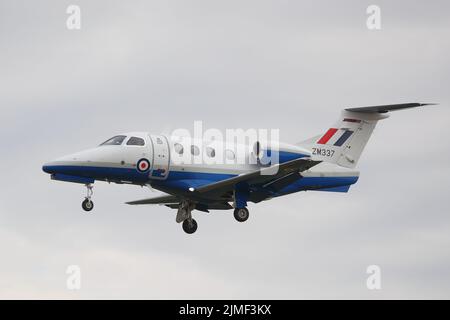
178	148
135	141
210	152
114	141
195	151
229	154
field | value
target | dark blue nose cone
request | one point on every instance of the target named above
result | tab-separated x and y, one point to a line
48	168
67	173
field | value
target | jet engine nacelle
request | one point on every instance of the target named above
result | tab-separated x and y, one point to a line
266	152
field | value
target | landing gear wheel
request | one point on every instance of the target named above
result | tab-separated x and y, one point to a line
87	205
189	226
241	214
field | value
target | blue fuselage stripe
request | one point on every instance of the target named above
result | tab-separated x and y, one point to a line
100	173
185	179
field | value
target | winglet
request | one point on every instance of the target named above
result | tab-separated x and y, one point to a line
388	107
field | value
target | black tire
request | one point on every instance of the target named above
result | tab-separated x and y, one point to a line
189	226
241	214
87	205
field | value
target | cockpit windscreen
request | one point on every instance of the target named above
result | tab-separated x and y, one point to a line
114	141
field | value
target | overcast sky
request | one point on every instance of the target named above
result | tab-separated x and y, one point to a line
160	65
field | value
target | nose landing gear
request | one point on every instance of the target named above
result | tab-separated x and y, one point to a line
87	203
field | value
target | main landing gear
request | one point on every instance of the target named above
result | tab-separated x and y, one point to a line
240	196
189	226
241	214
87	203
184	215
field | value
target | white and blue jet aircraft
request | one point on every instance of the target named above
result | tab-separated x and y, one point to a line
322	163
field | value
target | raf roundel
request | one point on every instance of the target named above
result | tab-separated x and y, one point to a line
143	165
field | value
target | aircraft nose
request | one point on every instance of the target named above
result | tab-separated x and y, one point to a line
48	167
56	166
60	165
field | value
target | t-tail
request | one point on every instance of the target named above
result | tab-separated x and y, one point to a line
344	142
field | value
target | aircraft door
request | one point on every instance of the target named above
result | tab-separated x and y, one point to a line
161	157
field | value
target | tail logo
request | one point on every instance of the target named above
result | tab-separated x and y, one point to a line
335	137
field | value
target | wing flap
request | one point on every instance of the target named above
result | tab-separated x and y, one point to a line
165	199
261	176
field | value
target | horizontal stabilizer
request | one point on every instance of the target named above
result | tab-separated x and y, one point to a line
388	107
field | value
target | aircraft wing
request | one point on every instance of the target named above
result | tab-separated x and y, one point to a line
261	176
165	199
212	193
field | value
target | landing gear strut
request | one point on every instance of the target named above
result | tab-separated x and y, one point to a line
184	215
241	214
87	203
